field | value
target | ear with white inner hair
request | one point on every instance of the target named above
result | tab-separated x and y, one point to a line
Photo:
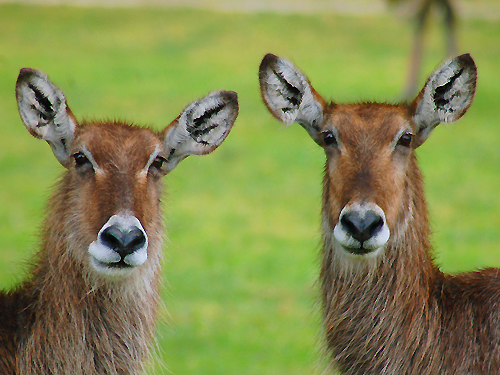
446	96
289	96
44	112
201	127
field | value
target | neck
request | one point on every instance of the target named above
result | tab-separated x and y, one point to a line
107	324
374	305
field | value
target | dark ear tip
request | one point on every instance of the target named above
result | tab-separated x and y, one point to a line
231	99
230	96
26	73
466	60
268	60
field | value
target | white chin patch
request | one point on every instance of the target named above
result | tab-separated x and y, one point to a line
109	270
111	257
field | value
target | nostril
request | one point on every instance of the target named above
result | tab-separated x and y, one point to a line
123	242
362	228
134	240
374	223
351	223
111	237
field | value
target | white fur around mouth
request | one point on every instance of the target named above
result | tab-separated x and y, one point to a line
113	270
106	260
368	247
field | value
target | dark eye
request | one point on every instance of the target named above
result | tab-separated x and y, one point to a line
405	139
80	159
158	162
329	139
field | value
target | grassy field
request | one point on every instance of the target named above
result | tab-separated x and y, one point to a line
243	223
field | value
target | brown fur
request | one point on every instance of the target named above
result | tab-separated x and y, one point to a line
398	314
90	301
389	310
66	319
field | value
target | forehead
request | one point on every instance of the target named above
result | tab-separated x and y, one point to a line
116	142
368	120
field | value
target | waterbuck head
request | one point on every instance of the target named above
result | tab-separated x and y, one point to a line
106	213
372	181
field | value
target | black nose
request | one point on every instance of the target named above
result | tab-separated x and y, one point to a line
123	242
362	228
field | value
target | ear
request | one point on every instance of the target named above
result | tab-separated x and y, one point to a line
446	96
44	112
289	96
201	127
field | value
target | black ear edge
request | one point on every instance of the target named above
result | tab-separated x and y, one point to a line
26	73
466	61
268	61
269	64
230	98
228	102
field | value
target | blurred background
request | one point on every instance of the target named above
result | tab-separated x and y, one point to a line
243	223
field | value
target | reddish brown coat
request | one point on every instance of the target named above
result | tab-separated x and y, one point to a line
387	308
90	302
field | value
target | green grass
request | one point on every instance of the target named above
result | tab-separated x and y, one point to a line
243	223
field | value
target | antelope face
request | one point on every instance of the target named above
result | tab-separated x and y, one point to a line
367	197
118	171
368	149
111	220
